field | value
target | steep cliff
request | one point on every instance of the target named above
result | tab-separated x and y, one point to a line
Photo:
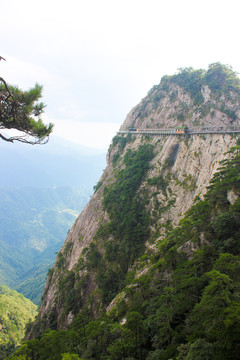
147	186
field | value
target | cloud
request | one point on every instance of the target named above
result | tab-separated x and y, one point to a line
91	134
97	59
25	73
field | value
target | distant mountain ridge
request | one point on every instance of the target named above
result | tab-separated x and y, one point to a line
58	163
33	225
42	190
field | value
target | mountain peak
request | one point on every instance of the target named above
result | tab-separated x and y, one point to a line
149	183
190	98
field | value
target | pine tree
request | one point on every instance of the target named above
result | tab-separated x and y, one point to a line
21	111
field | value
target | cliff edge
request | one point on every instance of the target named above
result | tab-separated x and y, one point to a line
147	186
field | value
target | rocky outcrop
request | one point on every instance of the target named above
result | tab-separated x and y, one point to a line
179	173
177	108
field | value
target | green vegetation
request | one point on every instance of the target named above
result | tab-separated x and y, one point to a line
188	182
21	111
15	313
115	158
33	225
221	80
128	224
185	307
160	182
120	140
97	186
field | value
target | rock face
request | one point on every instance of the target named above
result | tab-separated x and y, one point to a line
178	109
179	172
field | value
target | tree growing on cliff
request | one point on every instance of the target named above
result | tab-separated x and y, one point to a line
20	111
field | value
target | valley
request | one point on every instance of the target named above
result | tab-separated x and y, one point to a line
33	226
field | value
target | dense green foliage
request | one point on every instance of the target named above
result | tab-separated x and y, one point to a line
125	209
15	312
20	110
187	306
221	79
33	225
128	224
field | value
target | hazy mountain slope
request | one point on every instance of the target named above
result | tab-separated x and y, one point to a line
149	182
42	189
33	225
58	163
15	313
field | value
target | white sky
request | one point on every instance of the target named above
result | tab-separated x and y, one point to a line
96	59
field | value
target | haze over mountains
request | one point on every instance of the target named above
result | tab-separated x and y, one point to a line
42	191
58	163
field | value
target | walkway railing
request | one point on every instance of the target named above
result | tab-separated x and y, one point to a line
189	131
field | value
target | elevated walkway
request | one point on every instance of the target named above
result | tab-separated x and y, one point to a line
193	131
